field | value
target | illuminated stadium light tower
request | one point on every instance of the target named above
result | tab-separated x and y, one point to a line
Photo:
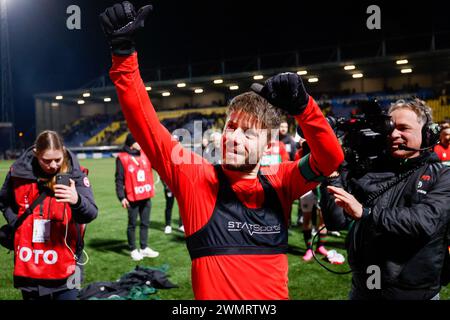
7	110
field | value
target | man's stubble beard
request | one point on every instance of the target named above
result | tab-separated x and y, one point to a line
245	167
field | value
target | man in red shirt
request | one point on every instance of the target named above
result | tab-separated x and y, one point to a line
235	214
443	148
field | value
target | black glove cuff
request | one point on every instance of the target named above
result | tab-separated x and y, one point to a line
299	106
122	47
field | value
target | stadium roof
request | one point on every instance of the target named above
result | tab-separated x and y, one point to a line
425	62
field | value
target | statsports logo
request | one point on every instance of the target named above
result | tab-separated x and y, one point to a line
238	226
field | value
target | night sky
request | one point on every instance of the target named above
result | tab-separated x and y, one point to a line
46	56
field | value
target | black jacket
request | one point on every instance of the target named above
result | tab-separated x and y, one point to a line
84	211
288	140
27	167
405	234
120	175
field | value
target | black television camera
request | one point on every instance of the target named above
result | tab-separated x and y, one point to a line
364	136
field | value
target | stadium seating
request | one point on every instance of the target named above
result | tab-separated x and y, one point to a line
110	130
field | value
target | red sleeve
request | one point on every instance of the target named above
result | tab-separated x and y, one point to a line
292	179
288	182
190	177
326	153
298	154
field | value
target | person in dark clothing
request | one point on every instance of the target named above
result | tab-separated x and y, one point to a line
48	243
287	139
134	188
398	214
170	200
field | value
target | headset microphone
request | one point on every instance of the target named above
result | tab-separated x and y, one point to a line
406	148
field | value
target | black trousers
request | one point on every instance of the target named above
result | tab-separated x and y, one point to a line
69	294
142	209
170	199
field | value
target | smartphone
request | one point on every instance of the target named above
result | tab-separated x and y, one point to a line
63	178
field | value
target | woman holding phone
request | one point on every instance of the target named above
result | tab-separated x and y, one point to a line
49	194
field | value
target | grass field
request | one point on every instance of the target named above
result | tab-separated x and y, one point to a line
109	258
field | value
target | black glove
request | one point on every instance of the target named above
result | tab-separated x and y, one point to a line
284	91
121	23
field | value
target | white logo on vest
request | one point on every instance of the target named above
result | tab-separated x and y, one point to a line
142	189
49	256
141	176
253	228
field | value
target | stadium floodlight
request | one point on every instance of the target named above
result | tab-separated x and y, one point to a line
402	61
302	72
218	81
107	99
407	70
86	94
350	67
199	90
55	104
312	80
148	88
81	102
181	85
357	75
258	77
59	97
234	88
165	94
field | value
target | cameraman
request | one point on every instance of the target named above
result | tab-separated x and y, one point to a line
398	214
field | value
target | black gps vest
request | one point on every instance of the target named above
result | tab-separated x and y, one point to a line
234	229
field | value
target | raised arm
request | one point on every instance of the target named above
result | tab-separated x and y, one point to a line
120	23
286	91
141	116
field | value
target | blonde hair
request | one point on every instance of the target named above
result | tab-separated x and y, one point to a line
50	140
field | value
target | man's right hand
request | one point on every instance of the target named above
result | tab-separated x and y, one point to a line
125	203
120	23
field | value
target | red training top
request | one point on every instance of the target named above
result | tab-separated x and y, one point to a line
195	185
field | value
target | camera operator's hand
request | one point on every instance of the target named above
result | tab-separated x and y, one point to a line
285	91
348	202
120	23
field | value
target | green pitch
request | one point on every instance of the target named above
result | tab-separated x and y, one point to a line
109	258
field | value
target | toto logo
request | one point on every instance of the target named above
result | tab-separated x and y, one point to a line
48	257
143	189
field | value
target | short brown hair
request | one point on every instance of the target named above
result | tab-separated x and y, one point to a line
255	105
